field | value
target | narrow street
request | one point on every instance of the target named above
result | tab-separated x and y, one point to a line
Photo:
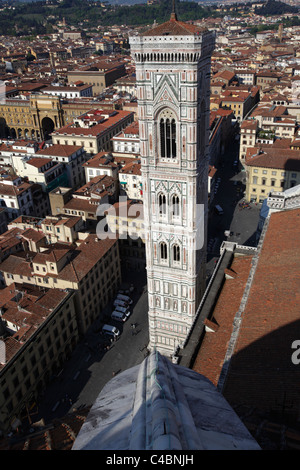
241	222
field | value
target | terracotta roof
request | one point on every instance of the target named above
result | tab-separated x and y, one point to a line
82	259
68	221
262	382
34	235
173	27
11	190
27	312
252	124
210	358
52	254
226	74
273	158
16	264
9	239
60	434
85	257
211	171
99	185
59	150
96	129
99	160
261	371
39	162
132	168
128	209
81	205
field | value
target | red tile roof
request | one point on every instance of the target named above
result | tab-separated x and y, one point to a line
133	167
273	157
174	28
251	124
12	190
261	371
39	162
27	313
59	150
210	358
60	434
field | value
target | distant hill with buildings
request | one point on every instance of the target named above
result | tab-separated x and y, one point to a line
273	7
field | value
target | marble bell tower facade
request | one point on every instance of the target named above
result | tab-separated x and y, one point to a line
173	89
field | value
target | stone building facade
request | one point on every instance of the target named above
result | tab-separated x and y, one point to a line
33	118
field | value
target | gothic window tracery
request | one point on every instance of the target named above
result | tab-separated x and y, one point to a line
167	132
201	129
163	251
162	208
176	253
175	205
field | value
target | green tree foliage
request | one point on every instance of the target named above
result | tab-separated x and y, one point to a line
32	18
273	7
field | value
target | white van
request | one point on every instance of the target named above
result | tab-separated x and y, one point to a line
124	310
120	303
110	330
118	316
125	298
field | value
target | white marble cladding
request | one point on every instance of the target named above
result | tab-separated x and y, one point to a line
160	405
188	48
173	85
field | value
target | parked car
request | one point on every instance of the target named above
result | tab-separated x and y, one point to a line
123	310
125	298
118	316
219	210
120	303
110	330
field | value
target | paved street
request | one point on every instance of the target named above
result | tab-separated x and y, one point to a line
91	366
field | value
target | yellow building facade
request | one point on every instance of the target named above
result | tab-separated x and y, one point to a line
34	118
35	350
277	175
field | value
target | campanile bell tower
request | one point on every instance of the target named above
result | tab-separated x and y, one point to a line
173	88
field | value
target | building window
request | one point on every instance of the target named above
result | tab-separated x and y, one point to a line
167	132
162	204
176	253
175	206
163	251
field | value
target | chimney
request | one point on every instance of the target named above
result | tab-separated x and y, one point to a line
210	326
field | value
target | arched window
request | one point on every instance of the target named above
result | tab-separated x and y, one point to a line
201	128
176	253
175	206
162	139
167	131
162	204
163	251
